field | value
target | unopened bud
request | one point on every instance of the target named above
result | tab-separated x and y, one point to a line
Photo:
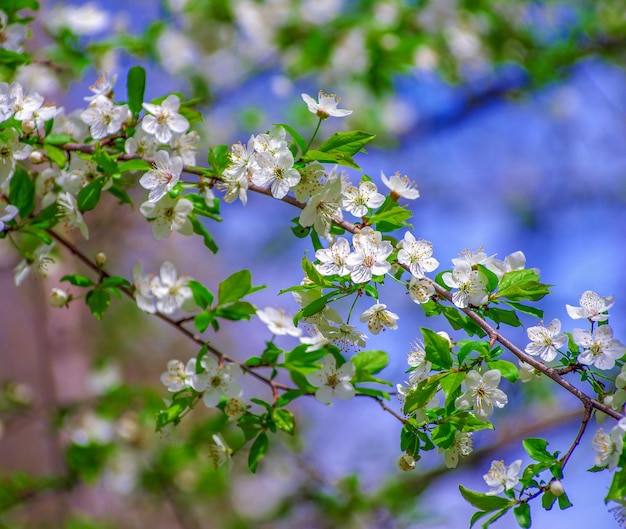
35	157
28	126
556	487
445	335
101	259
406	462
59	298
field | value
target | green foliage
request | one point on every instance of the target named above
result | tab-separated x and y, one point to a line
22	192
135	87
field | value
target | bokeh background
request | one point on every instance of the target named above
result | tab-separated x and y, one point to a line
509	116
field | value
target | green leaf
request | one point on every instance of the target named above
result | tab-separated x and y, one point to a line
257	451
536	448
349	143
495	517
234	287
485	502
133	165
317	305
47	217
437	349
173	411
522	515
334	157
538	313
422	394
288	396
57	139
547	500
199	229
284	420
115	281
202	320
300	141
106	162
201	294
89	196
78	280
58	156
617	490
313	275
477	516
218	158
508	317
391	219
443	435
98	300
136	86
521	285
370	361
508	369
240	310
564	502
451	382
22	192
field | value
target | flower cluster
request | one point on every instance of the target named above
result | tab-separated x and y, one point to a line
166	292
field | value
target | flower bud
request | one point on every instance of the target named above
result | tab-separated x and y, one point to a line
59	298
556	488
101	259
445	335
406	462
28	126
35	157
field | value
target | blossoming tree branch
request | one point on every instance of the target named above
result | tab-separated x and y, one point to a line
56	165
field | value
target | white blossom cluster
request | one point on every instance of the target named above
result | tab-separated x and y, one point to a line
166	292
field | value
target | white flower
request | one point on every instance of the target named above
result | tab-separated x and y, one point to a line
333	259
502	477
71	214
178	376
186	146
482	394
609	446
235	408
512	262
546	341
358	199
144	296
168	215
400	186
24	104
278	171
471	284
38	262
461	446
236	187
332	382
7	102
85	19
325	106
219	452
164	119
7	214
378	317
417	255
344	335
11	36
278	322
323	207
102	87
592	306
104	117
369	257
141	144
171	290
527	372
11	150
600	348
217	382
421	290
163	176
58	297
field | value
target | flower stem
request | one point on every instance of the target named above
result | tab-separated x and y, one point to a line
313	137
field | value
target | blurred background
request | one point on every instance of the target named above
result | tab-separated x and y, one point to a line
509	116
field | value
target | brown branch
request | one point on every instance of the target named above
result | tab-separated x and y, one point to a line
583	426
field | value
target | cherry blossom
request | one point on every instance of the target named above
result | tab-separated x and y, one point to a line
325	106
401	187
104	117
546	341
333	259
482	394
164	120
332	382
357	200
163	176
168	215
278	321
600	349
178	375
592	307
217	381
502	477
417	255
471	285
378	317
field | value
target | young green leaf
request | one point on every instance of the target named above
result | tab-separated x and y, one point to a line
89	196
234	287
257	451
22	192
136	87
